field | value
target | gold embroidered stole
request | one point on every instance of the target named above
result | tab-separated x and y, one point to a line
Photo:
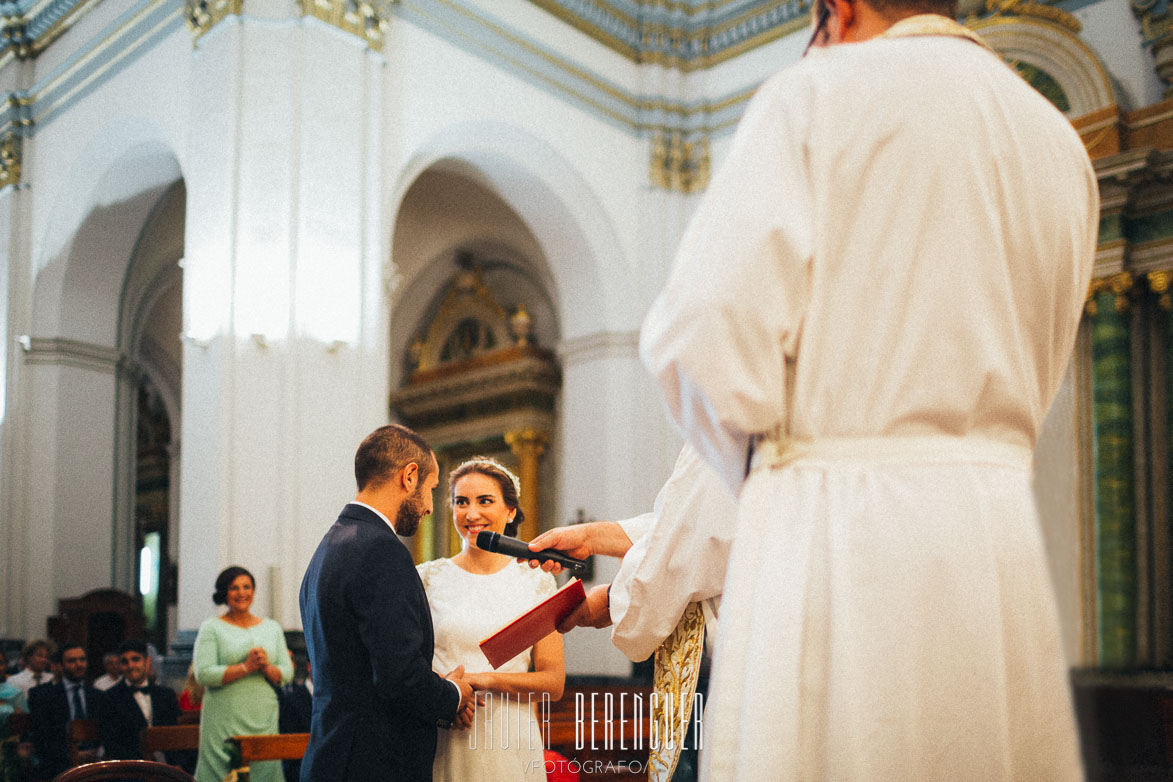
932	24
677	664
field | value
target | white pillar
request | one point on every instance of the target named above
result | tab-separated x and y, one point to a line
285	357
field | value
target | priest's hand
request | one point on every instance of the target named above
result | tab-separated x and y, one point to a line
595	611
580	541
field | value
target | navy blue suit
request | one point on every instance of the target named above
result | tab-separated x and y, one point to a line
49	724
377	703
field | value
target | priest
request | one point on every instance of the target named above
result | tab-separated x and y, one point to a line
867	319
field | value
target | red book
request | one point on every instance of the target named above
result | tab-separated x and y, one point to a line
532	626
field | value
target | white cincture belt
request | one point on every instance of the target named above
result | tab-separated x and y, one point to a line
772	454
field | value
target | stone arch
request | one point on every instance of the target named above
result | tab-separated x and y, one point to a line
1052	55
105	260
468	259
566	218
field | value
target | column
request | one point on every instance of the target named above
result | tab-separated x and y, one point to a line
1113	456
1159	285
284	309
528	445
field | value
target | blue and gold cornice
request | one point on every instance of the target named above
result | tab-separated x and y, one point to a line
682	34
22	111
1155	22
27	27
509	48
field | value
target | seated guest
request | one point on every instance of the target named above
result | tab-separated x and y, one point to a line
192	697
12	700
113	674
52	706
295	706
134	704
34	659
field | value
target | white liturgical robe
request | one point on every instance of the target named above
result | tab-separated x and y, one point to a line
883	284
677	557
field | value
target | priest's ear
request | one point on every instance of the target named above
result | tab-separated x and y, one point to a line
842	20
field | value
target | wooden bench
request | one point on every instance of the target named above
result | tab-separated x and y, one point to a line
81	732
282	746
168	738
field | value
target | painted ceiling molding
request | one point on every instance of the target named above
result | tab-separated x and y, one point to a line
512	49
27	27
686	34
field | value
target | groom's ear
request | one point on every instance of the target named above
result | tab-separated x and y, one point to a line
410	476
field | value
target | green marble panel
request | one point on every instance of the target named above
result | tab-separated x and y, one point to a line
1045	83
1114	498
1111	228
1149	228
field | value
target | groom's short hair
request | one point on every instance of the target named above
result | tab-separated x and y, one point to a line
386	451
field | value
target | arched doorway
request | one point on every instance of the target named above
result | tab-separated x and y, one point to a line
105	299
471	343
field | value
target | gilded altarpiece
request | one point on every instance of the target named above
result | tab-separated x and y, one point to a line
478	384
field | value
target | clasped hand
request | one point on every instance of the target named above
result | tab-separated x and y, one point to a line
257	660
468	698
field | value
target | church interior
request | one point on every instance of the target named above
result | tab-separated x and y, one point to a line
238	235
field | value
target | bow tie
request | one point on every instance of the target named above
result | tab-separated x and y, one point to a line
142	689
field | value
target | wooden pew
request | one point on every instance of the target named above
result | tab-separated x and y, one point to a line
282	746
168	738
81	732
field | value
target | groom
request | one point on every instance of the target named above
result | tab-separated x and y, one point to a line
377	703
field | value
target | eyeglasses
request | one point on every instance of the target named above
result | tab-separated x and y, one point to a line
824	14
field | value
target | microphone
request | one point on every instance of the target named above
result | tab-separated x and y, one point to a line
503	544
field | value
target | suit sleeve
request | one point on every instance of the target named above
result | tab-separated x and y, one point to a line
394	627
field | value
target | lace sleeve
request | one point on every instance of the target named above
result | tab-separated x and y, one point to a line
544	583
426	570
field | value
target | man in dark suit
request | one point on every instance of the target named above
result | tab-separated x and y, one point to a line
295	708
377	703
51	708
133	704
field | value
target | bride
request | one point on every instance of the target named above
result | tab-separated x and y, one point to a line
472	595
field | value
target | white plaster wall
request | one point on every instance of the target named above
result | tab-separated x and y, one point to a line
1113	32
616	452
529	20
284	299
82	522
143	106
440	96
66	538
747	71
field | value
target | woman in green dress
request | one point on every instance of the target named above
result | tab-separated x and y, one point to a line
239	658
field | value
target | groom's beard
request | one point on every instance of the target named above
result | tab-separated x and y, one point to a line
407	520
